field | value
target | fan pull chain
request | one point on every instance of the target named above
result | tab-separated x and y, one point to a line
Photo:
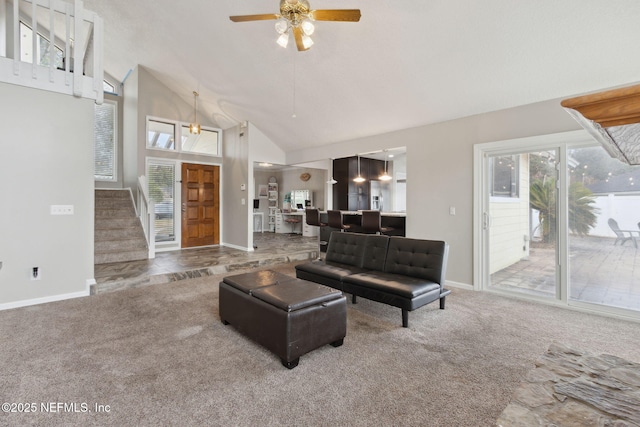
294	85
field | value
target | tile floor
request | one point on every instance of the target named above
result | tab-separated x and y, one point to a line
184	264
600	273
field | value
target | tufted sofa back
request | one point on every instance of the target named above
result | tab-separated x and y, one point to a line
425	259
346	248
375	252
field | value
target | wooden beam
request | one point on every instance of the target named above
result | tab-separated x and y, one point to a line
614	107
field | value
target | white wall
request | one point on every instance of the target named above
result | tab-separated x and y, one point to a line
440	169
261	148
237	218
47	159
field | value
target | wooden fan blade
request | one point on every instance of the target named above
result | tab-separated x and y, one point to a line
349	15
297	33
262	17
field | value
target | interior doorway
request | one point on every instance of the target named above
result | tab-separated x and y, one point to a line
200	205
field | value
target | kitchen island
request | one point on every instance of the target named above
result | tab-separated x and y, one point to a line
396	220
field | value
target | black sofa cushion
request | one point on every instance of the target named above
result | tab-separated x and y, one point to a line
424	259
332	270
375	252
404	286
346	248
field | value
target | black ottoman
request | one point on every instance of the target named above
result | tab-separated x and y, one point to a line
288	316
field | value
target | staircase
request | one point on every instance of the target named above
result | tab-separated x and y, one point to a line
119	235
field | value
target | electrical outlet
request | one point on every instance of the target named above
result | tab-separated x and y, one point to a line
452	210
36	273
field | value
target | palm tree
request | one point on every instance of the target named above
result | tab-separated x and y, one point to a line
582	213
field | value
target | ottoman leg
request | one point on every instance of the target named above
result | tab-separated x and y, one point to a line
224	322
338	343
292	364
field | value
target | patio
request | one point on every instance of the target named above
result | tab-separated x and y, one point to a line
600	273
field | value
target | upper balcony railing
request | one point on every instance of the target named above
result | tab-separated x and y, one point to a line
63	53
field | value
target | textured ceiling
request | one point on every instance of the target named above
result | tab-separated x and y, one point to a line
406	63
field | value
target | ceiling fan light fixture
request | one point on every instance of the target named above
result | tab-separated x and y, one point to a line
297	15
282	26
307	27
283	40
306	41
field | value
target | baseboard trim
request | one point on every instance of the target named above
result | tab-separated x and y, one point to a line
240	248
459	285
43	300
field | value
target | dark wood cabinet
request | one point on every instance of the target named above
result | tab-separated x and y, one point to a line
347	194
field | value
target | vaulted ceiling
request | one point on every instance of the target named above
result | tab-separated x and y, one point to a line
406	63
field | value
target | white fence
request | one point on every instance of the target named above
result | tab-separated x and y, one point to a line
624	208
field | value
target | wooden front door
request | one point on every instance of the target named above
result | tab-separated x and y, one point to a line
200	205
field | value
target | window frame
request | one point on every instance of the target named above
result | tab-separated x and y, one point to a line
178	127
114	177
514	179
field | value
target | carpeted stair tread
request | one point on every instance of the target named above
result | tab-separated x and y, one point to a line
118	233
121	256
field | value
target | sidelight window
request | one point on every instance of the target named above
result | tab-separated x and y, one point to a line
104	140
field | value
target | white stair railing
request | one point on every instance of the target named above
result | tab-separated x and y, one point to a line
68	27
146	213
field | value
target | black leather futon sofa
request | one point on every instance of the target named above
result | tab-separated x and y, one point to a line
399	271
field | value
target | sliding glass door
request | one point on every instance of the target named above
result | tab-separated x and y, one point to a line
557	219
604	229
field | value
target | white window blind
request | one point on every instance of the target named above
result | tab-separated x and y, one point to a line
104	137
161	180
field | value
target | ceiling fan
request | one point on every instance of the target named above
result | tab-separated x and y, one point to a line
297	16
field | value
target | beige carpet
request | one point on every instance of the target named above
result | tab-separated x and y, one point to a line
161	356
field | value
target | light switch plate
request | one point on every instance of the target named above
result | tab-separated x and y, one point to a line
61	209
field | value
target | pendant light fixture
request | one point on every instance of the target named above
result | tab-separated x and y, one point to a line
194	128
385	176
359	178
332	181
